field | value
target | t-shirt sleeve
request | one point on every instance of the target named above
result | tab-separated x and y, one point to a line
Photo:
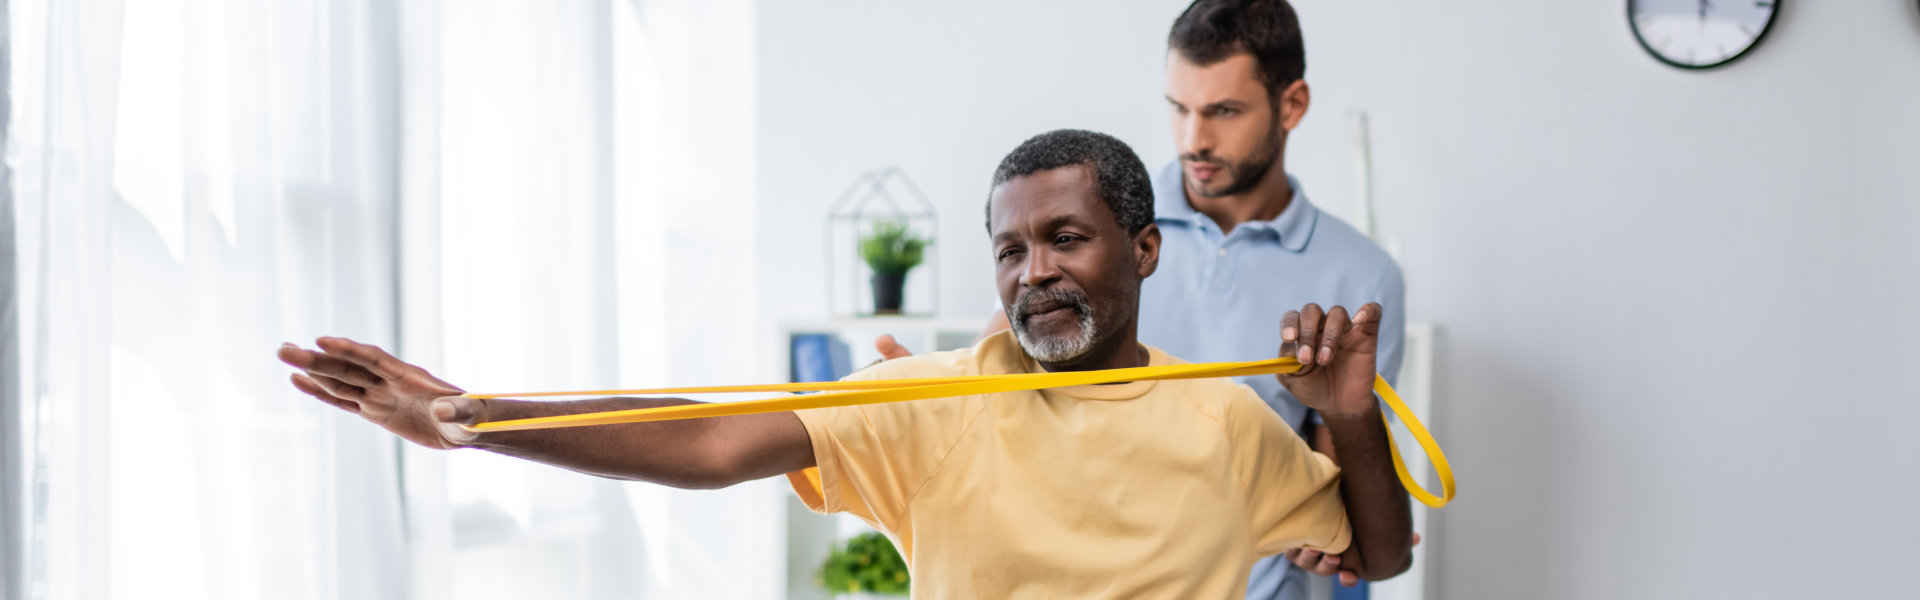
871	459
1293	493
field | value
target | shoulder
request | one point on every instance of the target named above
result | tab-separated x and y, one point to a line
878	428
995	354
950	363
1219	398
932	364
1337	238
1340	243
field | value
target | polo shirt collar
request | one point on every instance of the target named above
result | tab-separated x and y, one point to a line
1294	227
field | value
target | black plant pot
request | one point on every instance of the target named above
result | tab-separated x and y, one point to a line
887	289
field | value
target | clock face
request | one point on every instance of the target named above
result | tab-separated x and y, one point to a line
1700	34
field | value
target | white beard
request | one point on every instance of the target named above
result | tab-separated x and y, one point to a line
1058	350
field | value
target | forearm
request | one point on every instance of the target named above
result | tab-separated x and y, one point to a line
690	453
1319	438
1377	505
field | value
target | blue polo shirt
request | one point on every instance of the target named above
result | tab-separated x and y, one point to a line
1220	297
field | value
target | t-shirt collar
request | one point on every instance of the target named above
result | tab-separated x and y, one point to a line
1112	391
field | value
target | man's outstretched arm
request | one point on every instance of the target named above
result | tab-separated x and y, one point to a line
1337	359
409	402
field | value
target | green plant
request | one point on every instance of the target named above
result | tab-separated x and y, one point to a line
865	563
891	249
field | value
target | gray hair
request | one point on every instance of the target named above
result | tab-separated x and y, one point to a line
1119	176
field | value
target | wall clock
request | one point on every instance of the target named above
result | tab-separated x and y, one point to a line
1700	34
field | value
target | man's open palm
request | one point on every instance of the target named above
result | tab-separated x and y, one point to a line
405	399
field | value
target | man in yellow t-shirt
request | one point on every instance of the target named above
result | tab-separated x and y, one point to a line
1146	489
1099	491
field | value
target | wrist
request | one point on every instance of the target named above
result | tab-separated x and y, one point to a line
455	414
1365	412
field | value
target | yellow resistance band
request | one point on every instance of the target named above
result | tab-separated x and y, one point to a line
853	393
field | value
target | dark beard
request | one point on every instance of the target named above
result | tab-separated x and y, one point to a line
1246	174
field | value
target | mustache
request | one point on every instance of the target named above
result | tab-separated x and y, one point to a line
1027	304
1204	157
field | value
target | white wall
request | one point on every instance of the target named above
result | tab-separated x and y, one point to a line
1675	306
943	91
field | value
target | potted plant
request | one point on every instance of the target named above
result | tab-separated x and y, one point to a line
890	251
867	564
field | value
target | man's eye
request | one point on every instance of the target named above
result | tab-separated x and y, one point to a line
1062	239
1006	253
1225	112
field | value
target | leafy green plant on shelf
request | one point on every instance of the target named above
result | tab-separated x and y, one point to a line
890	251
865	563
891	248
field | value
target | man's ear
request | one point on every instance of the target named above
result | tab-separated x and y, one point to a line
1146	250
1293	104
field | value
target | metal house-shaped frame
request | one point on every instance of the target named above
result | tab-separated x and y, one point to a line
884	194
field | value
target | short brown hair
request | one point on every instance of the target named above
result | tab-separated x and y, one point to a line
1209	31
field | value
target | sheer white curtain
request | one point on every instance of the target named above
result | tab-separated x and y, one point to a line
579	188
509	285
693	147
198	180
13	450
514	193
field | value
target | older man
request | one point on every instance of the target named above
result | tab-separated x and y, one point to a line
1093	491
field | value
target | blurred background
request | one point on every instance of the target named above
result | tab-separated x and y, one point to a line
1667	312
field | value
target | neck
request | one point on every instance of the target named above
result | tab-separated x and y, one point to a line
1121	351
1264	202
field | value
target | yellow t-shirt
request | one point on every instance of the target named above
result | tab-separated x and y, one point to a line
1165	489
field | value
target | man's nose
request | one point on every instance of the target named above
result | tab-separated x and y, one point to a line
1194	136
1041	269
